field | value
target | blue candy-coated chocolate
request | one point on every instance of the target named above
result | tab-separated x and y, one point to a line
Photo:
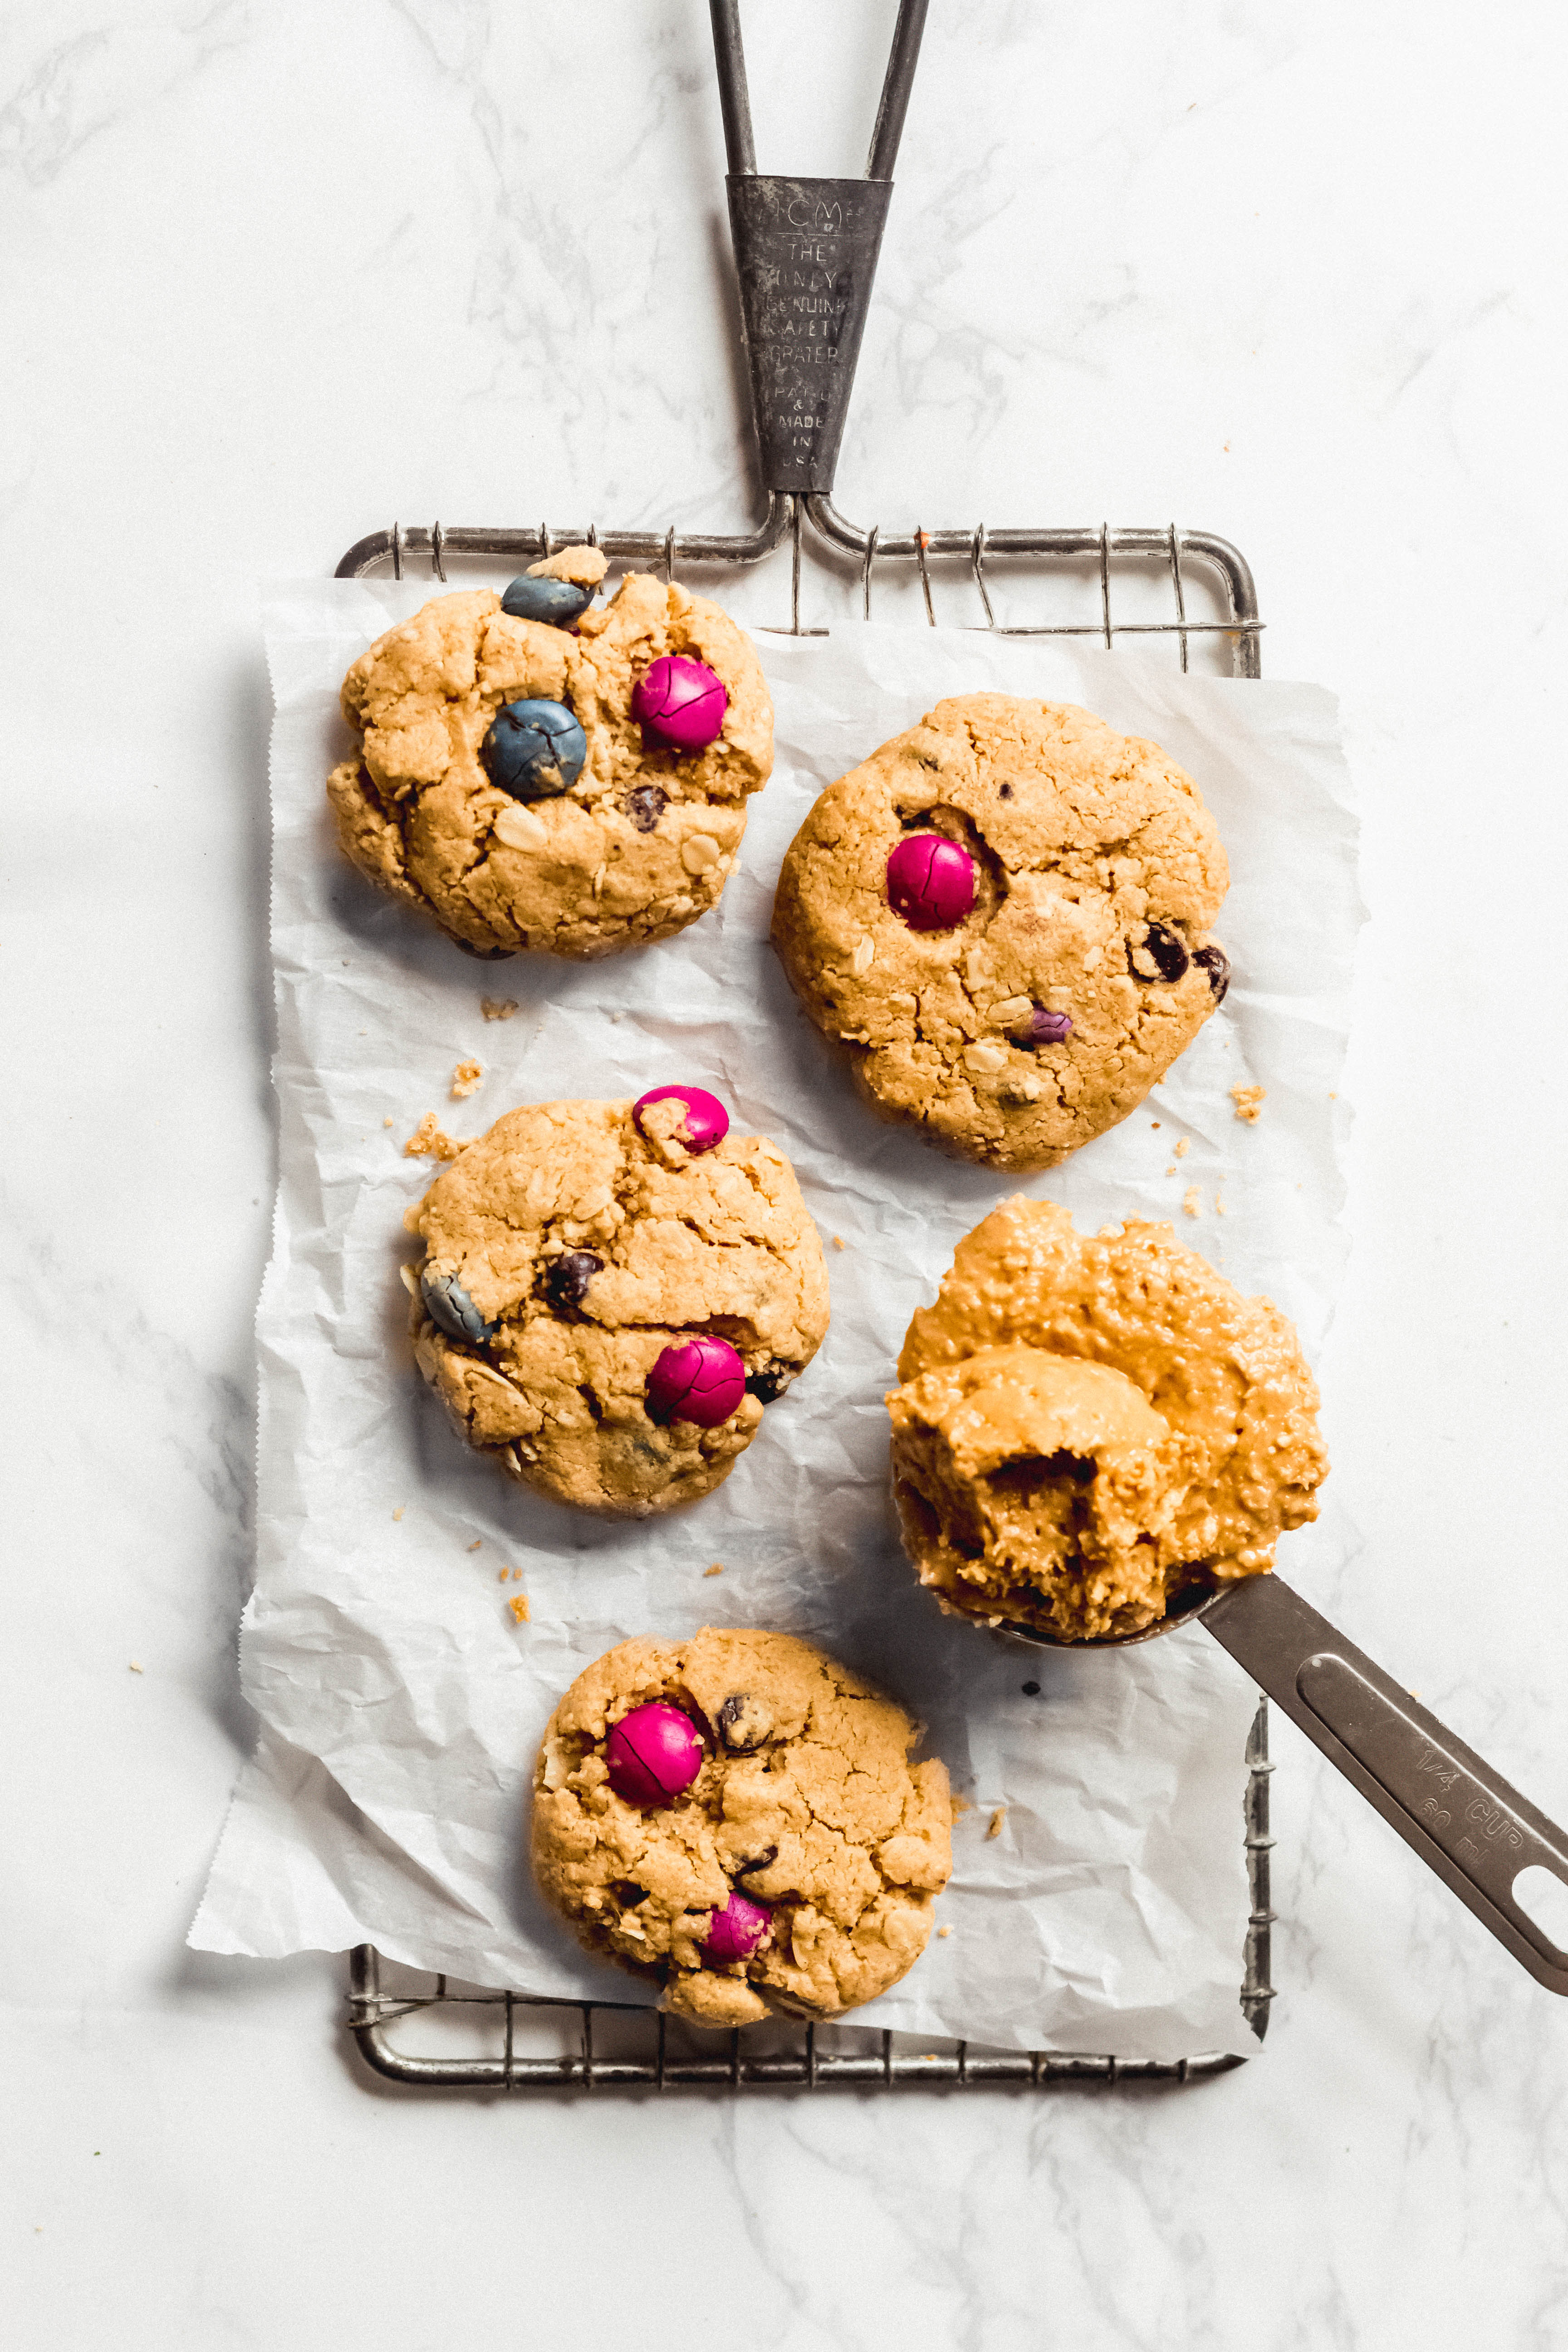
534	750
447	1304
559	602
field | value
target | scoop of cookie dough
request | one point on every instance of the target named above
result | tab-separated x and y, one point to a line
1097	871
566	1251
1088	1426
807	1804
640	843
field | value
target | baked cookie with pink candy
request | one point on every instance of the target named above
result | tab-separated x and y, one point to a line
735	1818
1003	918
536	771
613	1294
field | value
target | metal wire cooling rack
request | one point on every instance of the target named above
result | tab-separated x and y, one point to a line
601	2045
805	253
487	2039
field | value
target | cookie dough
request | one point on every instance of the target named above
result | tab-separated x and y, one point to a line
806	1804
566	1251
1096	874
636	849
1087	1427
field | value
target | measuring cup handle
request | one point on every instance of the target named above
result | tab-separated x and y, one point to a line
1463	1822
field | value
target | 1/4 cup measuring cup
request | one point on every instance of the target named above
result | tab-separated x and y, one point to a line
1478	1835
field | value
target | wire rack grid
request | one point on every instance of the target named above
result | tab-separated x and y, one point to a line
487	2037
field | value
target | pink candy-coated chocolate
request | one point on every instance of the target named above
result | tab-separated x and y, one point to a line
652	1754
734	1933
702	1381
706	1120
931	882
681	702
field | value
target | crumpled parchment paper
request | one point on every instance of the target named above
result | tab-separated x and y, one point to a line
401	1704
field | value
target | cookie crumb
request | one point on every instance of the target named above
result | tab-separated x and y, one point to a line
838	1241
386	1122
401	1509
518	1604
498	1008
958	1805
944	1931
465	1078
429	1141
1218	1206
1193	1201
1183	1147
717	1569
1250	1102
503	1576
409	1279
1155	1125
136	1667
1172	1169
477	1544
584	566
995	1826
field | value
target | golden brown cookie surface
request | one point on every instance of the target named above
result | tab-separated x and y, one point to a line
806	1803
1098	874
1087	1424
566	1251
639	845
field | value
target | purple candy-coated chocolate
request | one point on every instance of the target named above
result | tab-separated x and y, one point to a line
702	1381
652	1754
681	702
1044	1027
931	882
734	1933
706	1120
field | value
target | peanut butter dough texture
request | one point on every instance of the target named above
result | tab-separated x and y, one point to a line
1098	874
1087	1426
641	844
805	1801
584	1247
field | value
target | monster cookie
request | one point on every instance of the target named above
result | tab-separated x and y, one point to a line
1087	1428
536	774
613	1293
736	1819
1004	915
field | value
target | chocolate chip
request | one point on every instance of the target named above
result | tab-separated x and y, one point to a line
768	1385
1216	963
743	1720
567	1279
1005	792
1031	1690
1164	950
646	804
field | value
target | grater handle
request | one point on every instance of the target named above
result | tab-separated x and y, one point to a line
1464	1822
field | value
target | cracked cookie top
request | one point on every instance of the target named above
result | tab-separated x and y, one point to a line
570	1250
805	1806
1089	1425
635	846
1003	916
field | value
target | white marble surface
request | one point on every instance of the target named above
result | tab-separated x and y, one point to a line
277	272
